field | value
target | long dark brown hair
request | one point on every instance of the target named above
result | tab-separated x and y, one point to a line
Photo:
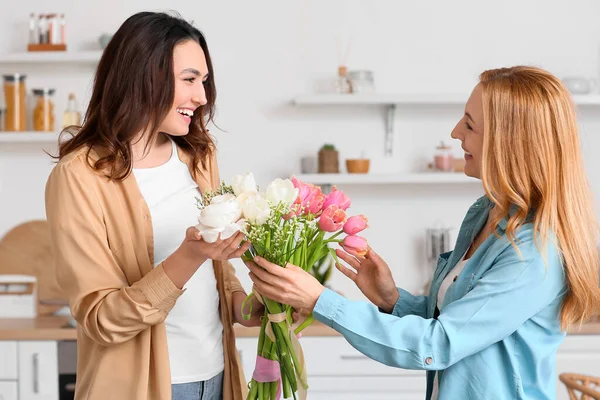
134	91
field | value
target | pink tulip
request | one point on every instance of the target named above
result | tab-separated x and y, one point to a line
355	245
332	219
315	201
303	189
338	198
310	198
356	224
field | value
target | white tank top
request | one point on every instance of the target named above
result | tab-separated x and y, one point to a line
194	329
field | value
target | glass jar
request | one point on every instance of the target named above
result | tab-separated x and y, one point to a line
362	81
14	98
443	158
43	111
342	83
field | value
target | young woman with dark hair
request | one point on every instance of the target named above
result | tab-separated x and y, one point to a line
155	304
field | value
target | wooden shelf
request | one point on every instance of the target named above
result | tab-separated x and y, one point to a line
52	57
419	178
28	137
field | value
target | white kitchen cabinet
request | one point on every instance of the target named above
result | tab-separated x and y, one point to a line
579	354
38	370
337	371
8	366
28	370
8	390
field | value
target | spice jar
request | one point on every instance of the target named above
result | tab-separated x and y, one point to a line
43	112
443	158
14	97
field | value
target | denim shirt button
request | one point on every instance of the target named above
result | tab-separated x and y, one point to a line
428	360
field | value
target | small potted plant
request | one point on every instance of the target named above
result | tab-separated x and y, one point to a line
328	159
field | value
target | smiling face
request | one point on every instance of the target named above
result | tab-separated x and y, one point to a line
190	73
469	131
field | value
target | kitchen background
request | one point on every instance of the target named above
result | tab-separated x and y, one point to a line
270	56
268	53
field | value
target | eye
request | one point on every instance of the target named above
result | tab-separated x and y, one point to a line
468	126
204	82
190	80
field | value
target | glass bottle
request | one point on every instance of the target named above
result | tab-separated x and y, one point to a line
32	31
71	116
342	83
14	98
443	158
43	112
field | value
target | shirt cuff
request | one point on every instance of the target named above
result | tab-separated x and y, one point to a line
158	288
404	305
327	306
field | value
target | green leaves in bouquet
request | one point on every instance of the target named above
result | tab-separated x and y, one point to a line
323	269
209	194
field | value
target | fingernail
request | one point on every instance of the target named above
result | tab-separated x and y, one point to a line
256	259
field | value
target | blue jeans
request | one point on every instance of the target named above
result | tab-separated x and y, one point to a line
211	389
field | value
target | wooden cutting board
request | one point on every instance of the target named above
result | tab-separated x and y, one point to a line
26	250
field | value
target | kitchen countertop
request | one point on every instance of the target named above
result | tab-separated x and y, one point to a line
58	328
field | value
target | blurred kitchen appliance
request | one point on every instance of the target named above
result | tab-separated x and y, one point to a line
18	296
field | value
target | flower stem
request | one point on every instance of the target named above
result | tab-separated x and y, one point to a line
309	320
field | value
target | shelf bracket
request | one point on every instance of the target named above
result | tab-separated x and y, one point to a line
389	130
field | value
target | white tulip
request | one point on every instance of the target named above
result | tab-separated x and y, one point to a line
257	209
244	183
221	211
211	235
282	191
241	199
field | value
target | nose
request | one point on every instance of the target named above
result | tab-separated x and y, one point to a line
199	97
456	132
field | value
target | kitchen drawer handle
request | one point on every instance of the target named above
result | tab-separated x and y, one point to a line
36	373
353	357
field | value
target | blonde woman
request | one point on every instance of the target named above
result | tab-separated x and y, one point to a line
524	268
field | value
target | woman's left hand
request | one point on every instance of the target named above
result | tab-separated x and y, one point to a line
290	285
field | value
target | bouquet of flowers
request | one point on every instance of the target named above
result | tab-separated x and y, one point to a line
291	222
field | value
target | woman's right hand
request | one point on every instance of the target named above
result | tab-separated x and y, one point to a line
196	248
194	251
373	277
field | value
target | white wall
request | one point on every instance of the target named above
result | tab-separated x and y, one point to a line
267	52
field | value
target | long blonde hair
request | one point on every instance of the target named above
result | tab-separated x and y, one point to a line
532	161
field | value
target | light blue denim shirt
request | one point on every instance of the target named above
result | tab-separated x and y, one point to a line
498	332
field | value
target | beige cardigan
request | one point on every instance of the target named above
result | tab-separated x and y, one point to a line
102	240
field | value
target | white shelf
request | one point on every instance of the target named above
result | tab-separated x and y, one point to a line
51	57
28	137
387	99
380	179
587	99
380	99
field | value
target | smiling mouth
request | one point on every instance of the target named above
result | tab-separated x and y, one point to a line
186	112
